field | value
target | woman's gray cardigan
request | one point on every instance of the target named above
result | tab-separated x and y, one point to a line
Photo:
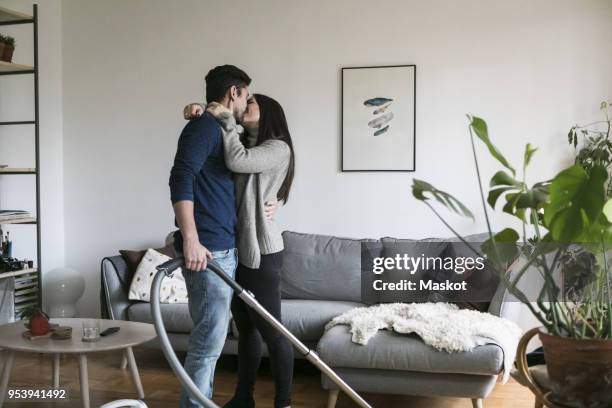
259	174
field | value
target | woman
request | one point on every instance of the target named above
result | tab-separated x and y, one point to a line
263	163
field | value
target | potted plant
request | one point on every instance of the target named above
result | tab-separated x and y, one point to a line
2	47
565	238
9	47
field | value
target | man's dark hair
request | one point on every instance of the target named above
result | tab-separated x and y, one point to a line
221	78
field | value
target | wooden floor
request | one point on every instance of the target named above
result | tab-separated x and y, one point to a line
108	382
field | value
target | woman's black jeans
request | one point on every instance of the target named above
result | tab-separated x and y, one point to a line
264	283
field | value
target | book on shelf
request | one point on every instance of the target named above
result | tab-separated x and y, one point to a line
9	215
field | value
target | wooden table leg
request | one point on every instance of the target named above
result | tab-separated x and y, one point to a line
6	373
129	353
84	380
56	370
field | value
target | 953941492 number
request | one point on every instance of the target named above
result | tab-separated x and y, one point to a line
36	394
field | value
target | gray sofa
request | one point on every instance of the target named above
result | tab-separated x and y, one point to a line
322	279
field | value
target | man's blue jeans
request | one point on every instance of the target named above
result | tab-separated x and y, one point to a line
209	304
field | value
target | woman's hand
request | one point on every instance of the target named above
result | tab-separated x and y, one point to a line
270	208
193	110
219	111
224	116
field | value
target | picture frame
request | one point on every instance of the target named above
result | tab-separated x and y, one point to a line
378	118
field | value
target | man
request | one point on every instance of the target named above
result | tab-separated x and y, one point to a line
202	194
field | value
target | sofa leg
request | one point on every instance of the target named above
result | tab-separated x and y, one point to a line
477	403
332	398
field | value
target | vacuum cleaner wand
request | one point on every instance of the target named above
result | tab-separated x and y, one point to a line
167	268
164	270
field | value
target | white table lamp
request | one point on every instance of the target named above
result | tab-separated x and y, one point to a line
62	290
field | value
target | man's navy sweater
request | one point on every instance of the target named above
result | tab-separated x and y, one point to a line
199	174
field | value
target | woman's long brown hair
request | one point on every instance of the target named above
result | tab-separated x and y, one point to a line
273	126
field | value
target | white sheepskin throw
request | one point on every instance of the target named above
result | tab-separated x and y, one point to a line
441	325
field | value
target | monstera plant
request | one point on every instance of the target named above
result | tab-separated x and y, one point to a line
564	236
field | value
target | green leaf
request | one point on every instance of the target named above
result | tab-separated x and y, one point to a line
526	200
420	188
575	202
502	248
480	128
501	178
518	198
598	232
529	151
520	214
540	193
533	198
511	200
495	193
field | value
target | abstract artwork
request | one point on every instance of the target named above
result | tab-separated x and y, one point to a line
381	105
378	118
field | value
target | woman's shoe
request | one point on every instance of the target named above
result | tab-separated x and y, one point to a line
236	402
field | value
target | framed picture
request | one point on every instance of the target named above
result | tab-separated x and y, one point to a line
378	118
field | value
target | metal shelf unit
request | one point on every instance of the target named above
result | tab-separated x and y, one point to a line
28	290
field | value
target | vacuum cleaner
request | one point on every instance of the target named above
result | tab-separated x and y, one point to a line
167	269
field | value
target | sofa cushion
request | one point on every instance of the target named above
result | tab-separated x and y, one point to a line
478	237
133	257
393	351
172	289
175	316
306	319
482	284
392	247
321	267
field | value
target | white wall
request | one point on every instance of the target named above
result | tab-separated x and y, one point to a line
17	142
531	68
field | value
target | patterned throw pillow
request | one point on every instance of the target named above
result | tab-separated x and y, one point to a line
173	289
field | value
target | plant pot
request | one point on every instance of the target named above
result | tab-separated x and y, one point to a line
580	371
7	54
2	45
